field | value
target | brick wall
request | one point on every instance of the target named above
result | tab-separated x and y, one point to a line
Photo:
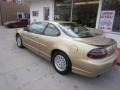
9	10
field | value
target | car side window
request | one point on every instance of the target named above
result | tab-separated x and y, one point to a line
37	28
51	30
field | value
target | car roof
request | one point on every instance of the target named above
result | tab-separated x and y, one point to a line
57	22
64	22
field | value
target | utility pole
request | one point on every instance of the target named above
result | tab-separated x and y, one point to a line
99	13
71	15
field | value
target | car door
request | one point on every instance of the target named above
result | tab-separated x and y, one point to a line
31	36
47	40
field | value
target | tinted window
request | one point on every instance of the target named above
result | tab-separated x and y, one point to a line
76	30
37	28
51	30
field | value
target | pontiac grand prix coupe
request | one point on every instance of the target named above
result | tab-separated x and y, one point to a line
70	47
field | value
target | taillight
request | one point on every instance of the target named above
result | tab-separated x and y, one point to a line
97	53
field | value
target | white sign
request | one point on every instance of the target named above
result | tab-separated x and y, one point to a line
19	1
106	20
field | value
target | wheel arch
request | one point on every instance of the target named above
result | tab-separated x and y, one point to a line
70	63
17	34
59	50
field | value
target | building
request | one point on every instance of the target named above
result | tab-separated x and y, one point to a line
100	14
12	10
41	10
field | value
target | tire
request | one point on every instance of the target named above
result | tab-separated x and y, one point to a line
19	41
62	66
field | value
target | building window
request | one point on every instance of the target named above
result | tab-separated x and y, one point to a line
62	10
23	15
27	15
35	13
19	1
20	15
83	11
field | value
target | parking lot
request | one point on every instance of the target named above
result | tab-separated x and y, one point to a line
20	69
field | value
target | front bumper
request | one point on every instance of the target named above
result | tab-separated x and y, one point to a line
93	68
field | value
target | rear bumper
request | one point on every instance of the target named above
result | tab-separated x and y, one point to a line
93	68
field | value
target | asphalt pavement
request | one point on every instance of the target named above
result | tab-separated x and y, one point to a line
20	69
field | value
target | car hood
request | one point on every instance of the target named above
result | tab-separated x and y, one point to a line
97	41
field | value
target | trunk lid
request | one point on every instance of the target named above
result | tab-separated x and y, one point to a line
97	41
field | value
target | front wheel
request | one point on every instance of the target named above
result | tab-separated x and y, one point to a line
19	41
61	62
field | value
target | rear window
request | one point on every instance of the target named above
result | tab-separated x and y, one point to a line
76	30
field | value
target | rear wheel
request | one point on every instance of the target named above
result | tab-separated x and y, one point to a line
61	62
19	41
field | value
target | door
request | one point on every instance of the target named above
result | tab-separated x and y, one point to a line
31	37
46	13
48	39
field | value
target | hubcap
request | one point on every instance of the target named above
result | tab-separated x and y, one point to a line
19	41
60	62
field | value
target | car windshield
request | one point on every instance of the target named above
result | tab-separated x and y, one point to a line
76	30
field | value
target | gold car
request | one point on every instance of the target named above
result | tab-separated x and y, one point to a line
70	47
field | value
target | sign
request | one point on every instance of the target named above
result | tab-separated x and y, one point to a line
106	20
19	1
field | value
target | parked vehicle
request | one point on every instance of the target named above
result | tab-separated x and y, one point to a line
69	47
17	24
